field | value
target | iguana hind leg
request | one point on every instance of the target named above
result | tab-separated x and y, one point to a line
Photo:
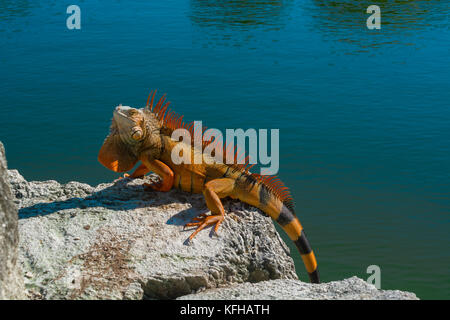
213	191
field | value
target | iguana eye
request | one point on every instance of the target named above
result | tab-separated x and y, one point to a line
137	133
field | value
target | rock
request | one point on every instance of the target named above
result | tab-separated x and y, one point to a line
11	281
122	241
290	289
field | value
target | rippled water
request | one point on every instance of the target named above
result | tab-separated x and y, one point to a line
363	114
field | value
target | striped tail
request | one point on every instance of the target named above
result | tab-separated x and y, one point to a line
261	194
291	225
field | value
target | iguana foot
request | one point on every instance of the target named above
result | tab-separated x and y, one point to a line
202	221
125	175
158	186
128	176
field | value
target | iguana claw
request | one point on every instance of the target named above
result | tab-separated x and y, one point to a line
125	175
202	221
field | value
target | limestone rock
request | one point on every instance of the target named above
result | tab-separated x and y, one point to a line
123	241
290	289
11	281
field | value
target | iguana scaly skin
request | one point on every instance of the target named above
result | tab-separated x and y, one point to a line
145	135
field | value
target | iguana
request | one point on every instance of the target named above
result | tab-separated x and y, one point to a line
145	135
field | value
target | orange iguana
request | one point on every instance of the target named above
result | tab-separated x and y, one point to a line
145	135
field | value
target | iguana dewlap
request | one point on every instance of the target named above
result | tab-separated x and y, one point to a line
145	135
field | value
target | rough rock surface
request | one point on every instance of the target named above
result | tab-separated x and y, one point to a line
289	289
122	241
11	281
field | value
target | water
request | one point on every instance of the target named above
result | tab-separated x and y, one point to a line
363	114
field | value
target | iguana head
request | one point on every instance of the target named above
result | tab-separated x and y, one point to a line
132	131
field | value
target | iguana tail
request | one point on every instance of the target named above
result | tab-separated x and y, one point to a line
269	194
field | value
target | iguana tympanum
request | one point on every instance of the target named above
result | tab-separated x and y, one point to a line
145	135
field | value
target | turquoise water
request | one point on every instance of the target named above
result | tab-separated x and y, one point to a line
363	114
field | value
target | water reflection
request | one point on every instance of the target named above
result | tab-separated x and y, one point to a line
10	9
239	22
236	21
396	14
345	21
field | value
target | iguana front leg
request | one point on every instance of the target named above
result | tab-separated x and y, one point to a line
140	171
214	190
164	172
